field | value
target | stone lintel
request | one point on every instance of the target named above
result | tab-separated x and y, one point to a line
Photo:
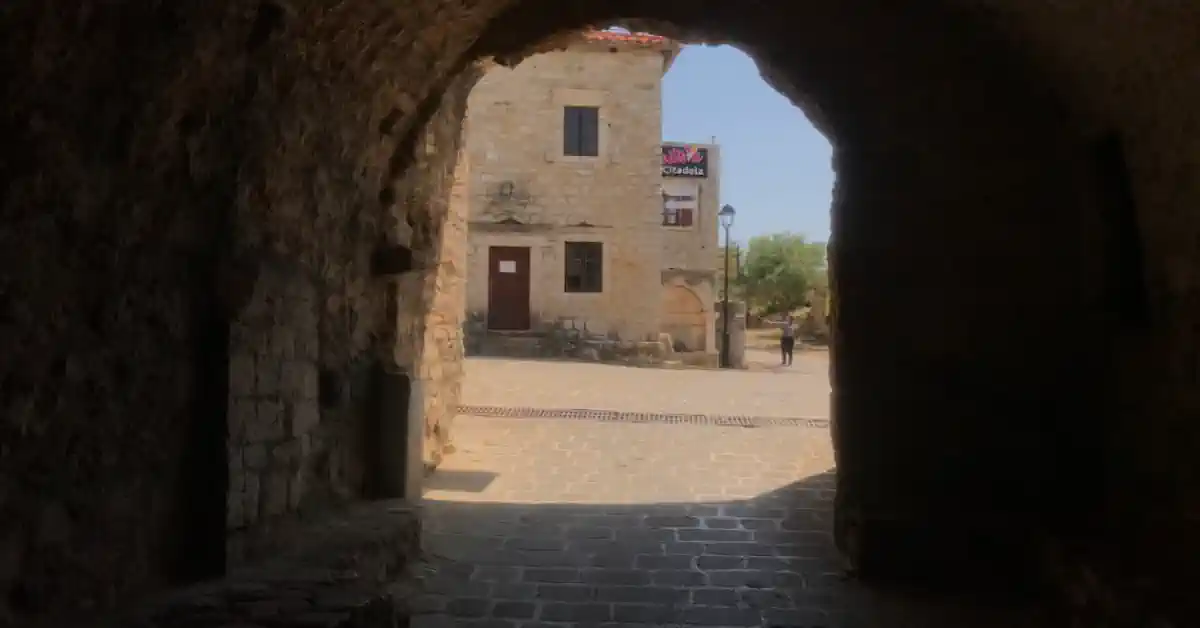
690	276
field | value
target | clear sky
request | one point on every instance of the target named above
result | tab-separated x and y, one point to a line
775	167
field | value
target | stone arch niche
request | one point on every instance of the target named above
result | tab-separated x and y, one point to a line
1008	162
684	315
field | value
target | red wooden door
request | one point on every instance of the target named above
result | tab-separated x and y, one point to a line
508	288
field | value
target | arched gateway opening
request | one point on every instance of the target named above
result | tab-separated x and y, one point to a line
1021	168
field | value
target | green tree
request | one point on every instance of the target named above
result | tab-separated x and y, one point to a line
779	270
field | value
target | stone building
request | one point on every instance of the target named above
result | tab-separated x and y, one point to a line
580	217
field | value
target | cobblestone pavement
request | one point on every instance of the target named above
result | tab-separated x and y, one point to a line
801	390
544	522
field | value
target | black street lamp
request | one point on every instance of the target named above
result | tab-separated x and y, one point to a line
726	215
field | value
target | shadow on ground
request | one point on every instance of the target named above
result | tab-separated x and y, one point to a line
766	561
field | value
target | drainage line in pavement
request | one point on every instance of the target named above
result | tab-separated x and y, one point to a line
618	416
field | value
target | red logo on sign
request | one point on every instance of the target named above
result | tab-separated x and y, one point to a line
682	156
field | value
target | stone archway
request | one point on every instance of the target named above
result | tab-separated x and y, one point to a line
685	318
983	149
968	153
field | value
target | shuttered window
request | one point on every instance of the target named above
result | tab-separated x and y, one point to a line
677	218
581	131
585	267
678	210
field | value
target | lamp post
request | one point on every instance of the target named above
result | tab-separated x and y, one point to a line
726	216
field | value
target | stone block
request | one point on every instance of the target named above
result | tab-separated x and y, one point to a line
715	597
679	578
250	498
584	612
286	454
514	610
254	456
237	481
616	577
297	486
311	386
283	342
242	379
267	424
651	349
722	616
235	510
468	607
274	493
233	455
308	347
645	614
306	415
667	343
299	380
242	414
266	377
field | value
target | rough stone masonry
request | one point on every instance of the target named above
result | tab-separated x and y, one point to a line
190	185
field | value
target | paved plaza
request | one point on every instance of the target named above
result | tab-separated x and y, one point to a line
801	390
576	522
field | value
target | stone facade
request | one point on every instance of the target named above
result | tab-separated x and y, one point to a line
163	163
526	192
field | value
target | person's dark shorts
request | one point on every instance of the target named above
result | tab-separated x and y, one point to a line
788	343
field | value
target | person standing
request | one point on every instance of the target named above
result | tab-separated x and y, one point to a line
787	341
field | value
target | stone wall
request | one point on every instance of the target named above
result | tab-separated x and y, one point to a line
440	366
236	176
305	352
274	404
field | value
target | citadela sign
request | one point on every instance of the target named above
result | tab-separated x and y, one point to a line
684	161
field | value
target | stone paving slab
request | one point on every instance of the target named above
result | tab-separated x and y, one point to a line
542	522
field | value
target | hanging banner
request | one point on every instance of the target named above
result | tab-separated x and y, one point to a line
684	161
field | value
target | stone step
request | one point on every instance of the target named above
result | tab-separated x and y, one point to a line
334	572
507	346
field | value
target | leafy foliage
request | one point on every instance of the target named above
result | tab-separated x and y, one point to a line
779	271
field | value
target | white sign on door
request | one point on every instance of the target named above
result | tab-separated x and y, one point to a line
508	266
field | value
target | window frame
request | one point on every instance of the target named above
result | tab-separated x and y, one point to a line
685	217
577	121
591	256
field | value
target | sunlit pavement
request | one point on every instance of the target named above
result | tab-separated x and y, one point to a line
574	522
